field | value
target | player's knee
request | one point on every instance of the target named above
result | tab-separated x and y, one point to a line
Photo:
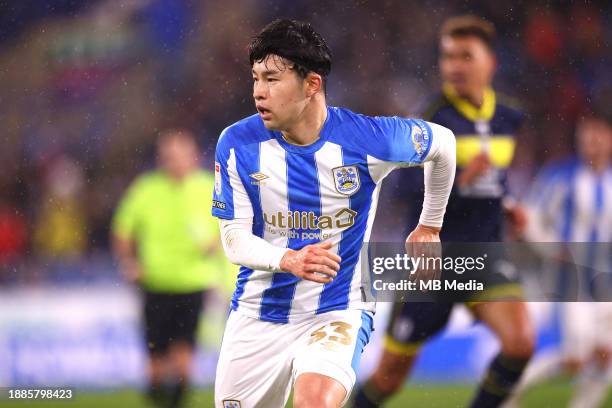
315	390
573	366
519	344
391	374
314	400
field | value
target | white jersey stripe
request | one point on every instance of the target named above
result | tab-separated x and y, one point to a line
273	197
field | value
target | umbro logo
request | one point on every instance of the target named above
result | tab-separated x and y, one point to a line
257	178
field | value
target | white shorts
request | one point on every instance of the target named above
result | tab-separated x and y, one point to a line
260	361
585	327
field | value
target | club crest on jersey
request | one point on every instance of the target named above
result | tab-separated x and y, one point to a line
231	404
420	139
346	179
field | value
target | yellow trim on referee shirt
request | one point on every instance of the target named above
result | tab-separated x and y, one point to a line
501	149
485	112
404	349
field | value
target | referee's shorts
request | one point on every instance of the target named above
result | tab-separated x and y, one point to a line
170	317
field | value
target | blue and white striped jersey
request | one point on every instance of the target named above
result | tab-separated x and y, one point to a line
300	195
569	202
573	202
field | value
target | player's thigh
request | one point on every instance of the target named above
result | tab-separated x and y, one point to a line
412	323
332	347
254	367
510	321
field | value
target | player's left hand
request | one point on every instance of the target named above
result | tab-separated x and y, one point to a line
424	242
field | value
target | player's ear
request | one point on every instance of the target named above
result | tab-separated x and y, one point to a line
314	83
494	63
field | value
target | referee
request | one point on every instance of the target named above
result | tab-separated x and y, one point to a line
165	240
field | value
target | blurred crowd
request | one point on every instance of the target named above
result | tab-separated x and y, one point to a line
86	86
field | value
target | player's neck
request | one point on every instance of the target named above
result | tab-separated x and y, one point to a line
307	129
475	98
599	164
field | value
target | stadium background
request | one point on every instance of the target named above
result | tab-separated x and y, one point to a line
85	86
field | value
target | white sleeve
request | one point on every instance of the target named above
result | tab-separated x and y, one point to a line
243	248
440	167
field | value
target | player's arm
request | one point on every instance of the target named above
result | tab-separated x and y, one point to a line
313	262
440	167
414	142
439	174
233	207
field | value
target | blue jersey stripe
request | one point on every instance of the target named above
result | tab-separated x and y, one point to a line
335	295
247	162
598	201
568	208
303	197
564	283
599	205
243	277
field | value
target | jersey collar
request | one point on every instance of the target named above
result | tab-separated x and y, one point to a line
485	112
314	146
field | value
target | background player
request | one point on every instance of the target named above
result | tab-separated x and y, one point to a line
296	190
166	241
485	125
570	202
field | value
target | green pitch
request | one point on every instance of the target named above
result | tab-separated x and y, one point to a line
552	395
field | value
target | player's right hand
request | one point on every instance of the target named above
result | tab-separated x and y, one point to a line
424	242
313	262
478	166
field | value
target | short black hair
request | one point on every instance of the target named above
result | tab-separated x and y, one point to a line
295	41
470	26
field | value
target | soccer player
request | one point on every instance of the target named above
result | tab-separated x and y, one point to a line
485	125
166	241
296	189
571	202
